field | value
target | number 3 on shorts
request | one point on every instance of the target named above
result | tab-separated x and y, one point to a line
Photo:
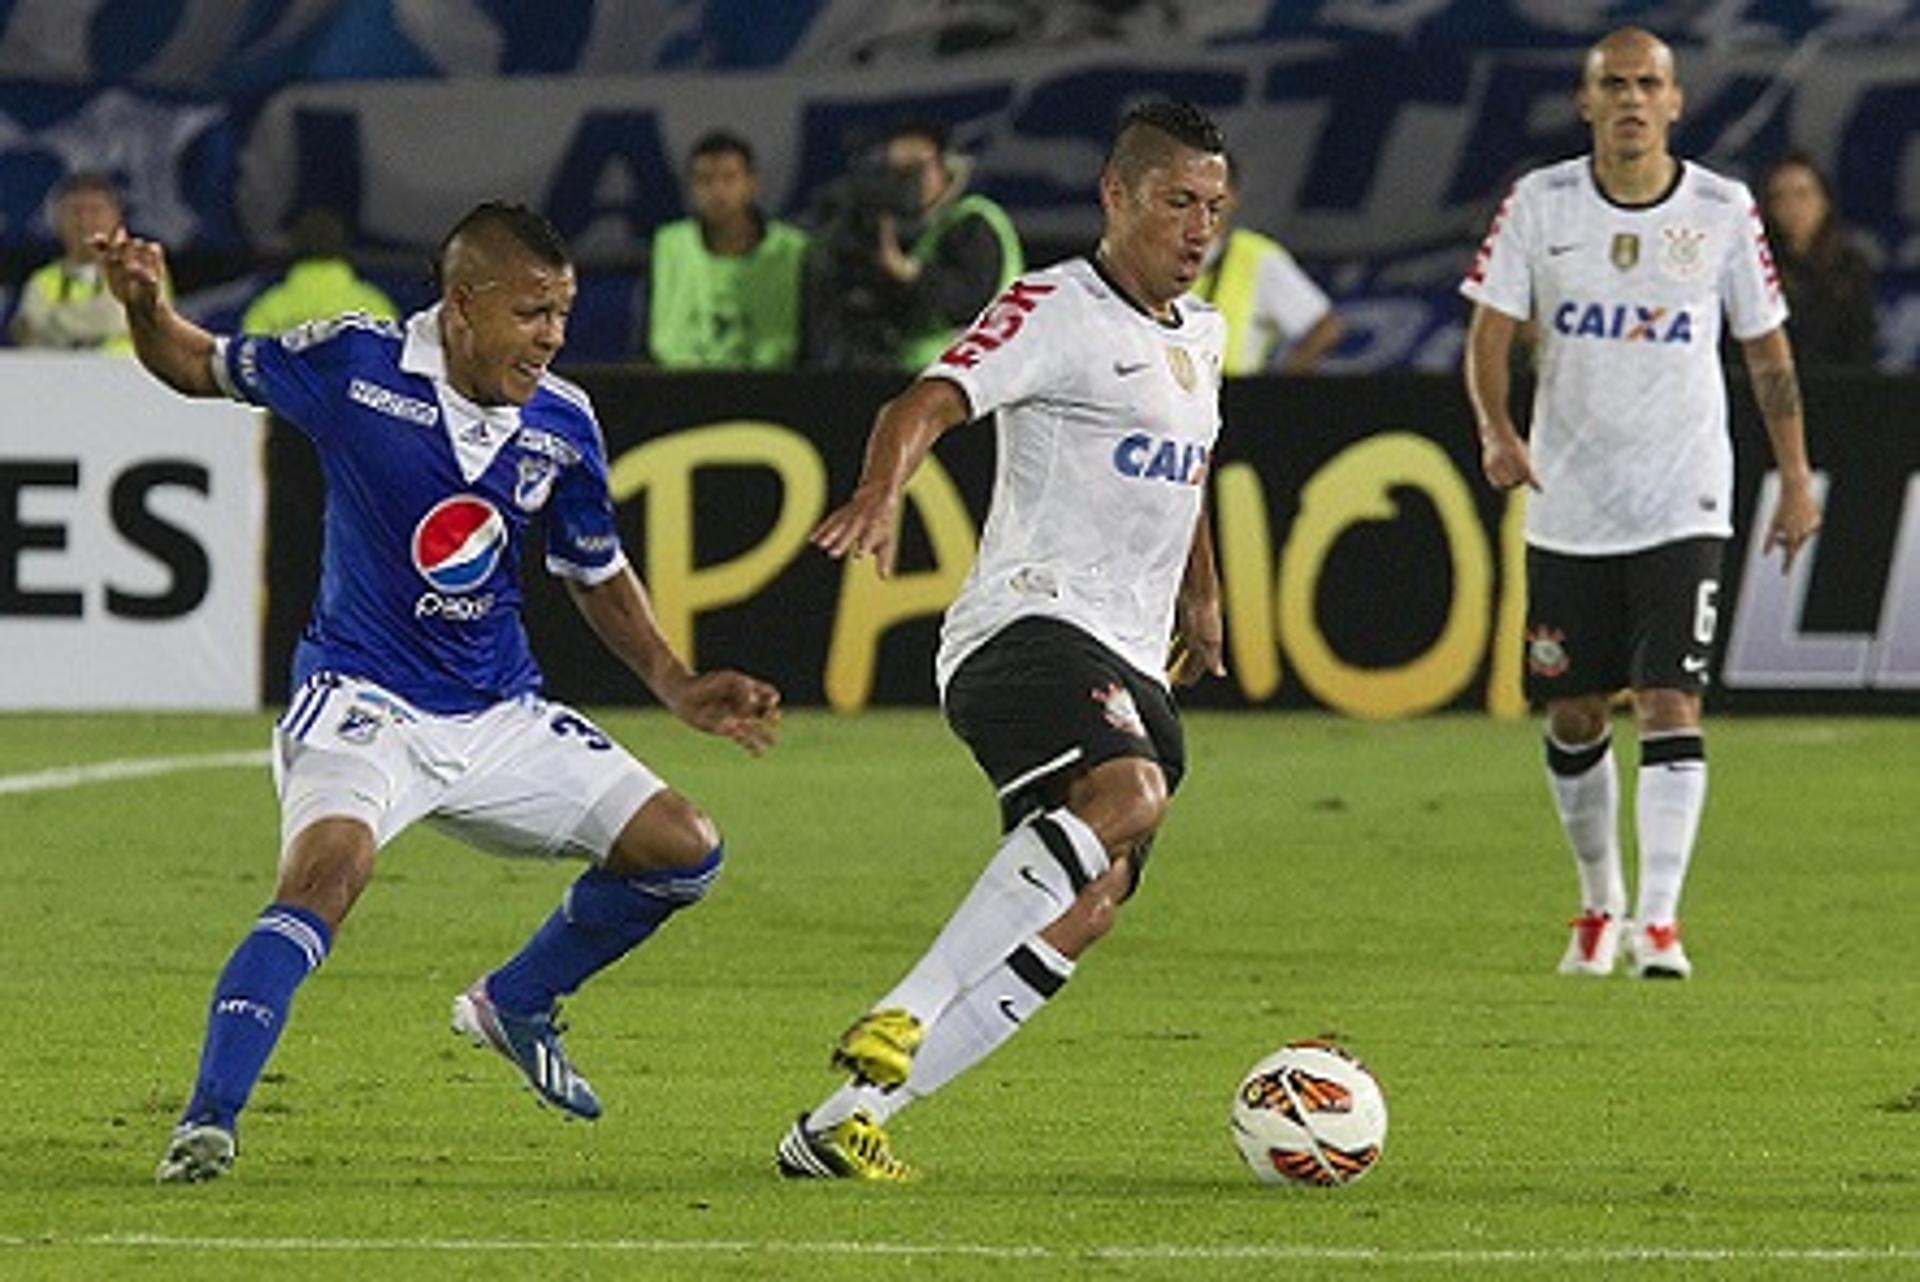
567	723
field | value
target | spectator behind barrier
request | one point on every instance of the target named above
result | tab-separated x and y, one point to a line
1269	303
320	283
1827	280
723	287
904	257
65	303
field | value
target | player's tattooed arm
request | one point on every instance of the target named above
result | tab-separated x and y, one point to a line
1776	389
1777	392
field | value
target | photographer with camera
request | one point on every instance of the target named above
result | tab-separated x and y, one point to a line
904	256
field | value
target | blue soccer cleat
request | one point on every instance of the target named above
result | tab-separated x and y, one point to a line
531	1043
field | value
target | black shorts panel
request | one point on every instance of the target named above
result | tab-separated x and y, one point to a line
1041	701
1641	620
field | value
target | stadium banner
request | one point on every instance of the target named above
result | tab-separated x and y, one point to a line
1366	567
1362	147
1368	149
130	541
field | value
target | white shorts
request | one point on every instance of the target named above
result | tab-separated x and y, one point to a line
524	777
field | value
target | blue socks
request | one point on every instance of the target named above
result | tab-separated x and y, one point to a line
250	1003
602	918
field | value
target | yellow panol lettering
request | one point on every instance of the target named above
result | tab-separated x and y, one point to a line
870	605
1354	487
1246	581
664	469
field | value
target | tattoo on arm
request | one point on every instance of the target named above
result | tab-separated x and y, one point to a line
1777	391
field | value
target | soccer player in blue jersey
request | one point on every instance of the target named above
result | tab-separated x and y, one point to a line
415	694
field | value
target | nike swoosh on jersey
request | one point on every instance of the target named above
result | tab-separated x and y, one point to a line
1006	1008
1554	251
1125	369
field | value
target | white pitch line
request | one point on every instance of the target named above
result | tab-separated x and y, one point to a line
1011	1251
127	768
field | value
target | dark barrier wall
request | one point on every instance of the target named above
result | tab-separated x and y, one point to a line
1366	566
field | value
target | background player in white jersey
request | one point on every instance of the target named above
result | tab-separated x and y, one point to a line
416	695
1052	662
1624	261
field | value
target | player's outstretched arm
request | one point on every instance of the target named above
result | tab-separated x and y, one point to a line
176	351
1504	456
1776	389
867	524
730	704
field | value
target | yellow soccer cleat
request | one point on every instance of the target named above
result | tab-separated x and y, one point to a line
879	1048
856	1149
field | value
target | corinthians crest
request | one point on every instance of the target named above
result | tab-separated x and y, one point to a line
1625	251
1683	252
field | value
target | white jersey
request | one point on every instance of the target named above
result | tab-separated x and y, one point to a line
1105	421
1629	433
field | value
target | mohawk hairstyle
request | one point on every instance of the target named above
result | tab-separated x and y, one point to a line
1150	131
489	218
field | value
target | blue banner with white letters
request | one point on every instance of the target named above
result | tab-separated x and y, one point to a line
1375	135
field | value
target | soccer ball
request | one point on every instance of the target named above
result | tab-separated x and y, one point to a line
1309	1114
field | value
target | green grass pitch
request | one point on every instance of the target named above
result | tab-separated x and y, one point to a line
1400	886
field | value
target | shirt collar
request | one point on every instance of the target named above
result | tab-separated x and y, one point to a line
476	432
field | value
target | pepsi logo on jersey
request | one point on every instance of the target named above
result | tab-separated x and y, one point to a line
1628	322
456	546
1154	458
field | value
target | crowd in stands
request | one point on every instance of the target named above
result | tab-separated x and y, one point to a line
897	256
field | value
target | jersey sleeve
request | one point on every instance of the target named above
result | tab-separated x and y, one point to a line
1501	276
1013	347
297	375
582	542
1749	280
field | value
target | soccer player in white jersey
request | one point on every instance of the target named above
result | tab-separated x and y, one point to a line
445	444
1053	659
1624	261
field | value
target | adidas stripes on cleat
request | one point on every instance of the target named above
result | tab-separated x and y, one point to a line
531	1043
879	1047
856	1149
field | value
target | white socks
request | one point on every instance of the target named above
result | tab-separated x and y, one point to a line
1667	804
988	969
1032	879
1672	793
972	1027
1586	791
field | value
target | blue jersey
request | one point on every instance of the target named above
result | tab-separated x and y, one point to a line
429	497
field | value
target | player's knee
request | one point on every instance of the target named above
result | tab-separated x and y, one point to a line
1577	721
1122	800
1660	710
325	867
667	833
